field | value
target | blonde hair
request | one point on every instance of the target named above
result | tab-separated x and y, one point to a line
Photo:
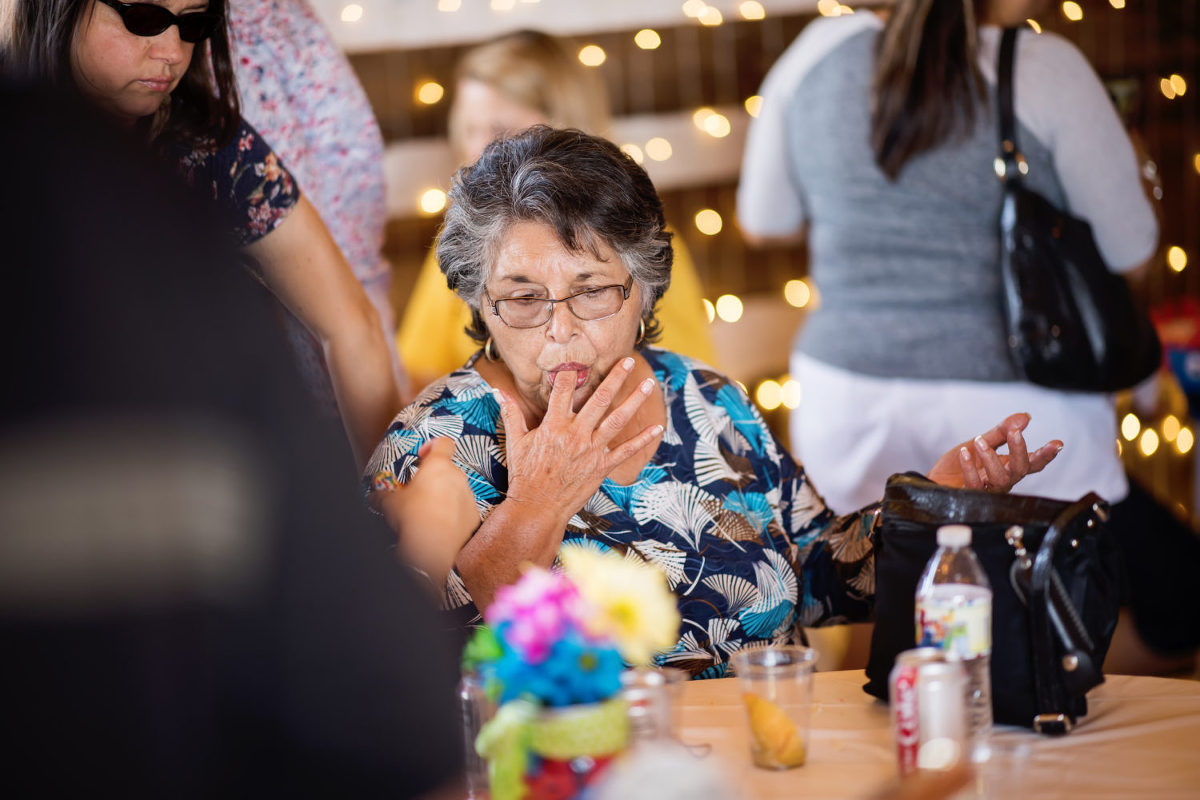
540	72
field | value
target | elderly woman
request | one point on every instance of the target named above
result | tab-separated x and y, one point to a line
571	428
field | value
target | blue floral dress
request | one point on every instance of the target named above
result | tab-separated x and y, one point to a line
246	179
747	545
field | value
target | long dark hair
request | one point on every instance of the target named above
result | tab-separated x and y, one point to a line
199	113
927	79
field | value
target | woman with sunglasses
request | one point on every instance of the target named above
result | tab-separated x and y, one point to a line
163	70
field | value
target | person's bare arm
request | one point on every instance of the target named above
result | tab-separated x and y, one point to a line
304	268
434	514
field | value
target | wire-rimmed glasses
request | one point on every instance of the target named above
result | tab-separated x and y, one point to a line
533	312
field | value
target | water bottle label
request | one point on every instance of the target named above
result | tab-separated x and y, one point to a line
961	626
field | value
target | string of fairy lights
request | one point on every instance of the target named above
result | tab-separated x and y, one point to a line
783	391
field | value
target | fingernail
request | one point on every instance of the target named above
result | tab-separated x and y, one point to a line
647	385
980	444
1059	448
627	362
657	429
964	454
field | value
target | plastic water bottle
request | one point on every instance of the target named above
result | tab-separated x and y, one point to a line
954	612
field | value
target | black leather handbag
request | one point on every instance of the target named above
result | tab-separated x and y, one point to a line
1056	582
1072	323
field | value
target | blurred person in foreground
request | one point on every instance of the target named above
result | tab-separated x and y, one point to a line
502	87
573	430
193	602
163	72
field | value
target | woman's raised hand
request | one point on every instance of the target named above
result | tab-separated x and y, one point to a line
975	464
562	461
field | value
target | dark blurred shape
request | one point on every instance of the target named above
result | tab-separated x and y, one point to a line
193	599
1162	556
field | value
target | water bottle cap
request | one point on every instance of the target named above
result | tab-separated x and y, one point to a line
953	536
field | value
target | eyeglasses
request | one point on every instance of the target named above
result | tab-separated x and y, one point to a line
533	312
146	19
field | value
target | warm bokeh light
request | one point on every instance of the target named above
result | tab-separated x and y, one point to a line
792	394
711	16
503	5
1178	84
449	6
701	115
754	104
1196	163
1184	441
717	126
1148	444
843	10
1167	88
1072	10
592	56
1033	23
432	201
729	307
1120	448
352	12
752	9
1176	258
1130	426
1171	427
797	293
710	310
647	39
633	151
828	8
694	8
430	92
708	222
1117	4
768	395
658	149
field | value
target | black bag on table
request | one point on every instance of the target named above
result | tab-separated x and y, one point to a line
1072	323
1053	614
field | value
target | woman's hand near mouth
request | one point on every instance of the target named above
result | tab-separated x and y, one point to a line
553	469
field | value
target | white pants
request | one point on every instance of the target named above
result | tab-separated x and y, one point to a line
852	431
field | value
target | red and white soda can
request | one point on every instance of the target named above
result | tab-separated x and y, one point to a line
929	714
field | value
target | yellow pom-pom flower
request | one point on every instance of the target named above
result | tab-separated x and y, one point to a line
633	605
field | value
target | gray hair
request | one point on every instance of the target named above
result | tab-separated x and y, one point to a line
580	185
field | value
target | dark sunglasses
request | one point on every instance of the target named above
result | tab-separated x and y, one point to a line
146	19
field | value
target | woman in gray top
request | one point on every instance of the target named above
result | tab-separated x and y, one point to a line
876	140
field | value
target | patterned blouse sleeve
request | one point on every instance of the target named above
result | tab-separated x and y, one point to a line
835	555
256	190
460	408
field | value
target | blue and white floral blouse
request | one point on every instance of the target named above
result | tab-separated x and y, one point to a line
746	543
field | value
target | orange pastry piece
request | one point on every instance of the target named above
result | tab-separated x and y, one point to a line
780	743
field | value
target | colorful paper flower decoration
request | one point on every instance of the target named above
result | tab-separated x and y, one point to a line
552	654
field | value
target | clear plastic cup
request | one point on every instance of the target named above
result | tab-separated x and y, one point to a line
476	709
776	684
652	697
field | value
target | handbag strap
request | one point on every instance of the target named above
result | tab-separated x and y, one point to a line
1051	615
1010	166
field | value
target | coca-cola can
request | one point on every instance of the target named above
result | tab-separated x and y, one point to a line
927	694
